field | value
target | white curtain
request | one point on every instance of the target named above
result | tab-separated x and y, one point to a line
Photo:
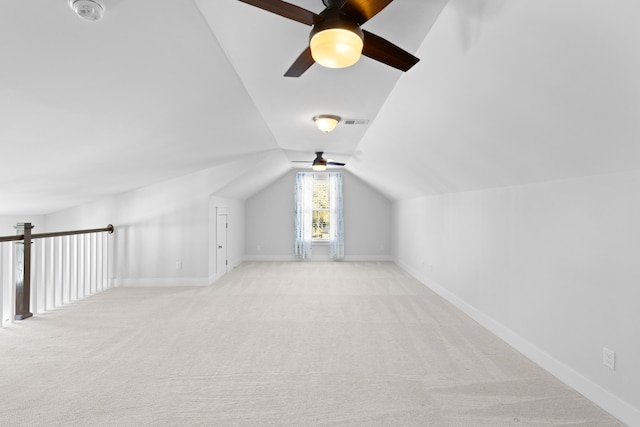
336	229
303	215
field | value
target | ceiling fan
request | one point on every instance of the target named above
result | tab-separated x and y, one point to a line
336	40
320	163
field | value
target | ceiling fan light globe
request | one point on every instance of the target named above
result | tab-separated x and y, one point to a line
319	168
336	47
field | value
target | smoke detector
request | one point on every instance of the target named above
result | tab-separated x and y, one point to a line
91	10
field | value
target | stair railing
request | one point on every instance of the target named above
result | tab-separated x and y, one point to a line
84	257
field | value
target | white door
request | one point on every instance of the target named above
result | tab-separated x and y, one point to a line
221	240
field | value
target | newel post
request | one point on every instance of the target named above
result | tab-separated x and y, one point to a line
23	272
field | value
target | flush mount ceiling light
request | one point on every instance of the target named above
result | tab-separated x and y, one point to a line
91	10
326	122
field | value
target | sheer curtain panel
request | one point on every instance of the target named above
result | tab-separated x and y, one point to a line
303	215
336	231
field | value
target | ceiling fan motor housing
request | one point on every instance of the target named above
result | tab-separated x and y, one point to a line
334	3
333	18
319	160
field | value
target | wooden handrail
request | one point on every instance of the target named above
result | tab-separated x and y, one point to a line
109	228
11	238
23	262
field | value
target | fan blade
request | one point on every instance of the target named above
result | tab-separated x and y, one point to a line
363	10
375	47
300	65
286	10
330	162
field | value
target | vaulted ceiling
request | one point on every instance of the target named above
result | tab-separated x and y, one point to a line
506	93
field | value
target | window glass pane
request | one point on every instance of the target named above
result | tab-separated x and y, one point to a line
320	210
320	225
321	194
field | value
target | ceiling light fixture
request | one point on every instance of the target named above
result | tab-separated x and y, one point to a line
91	10
336	42
319	163
326	122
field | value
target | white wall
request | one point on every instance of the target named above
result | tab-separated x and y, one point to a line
156	227
269	222
553	268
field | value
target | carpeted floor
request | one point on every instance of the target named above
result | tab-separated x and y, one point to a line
275	344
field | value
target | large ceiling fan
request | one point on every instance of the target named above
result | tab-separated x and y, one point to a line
320	163
336	40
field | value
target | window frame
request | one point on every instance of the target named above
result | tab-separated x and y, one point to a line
319	176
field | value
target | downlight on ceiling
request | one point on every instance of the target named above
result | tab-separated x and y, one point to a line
91	10
326	122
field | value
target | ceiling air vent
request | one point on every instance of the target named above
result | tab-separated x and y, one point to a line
356	121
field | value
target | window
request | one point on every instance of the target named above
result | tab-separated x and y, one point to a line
320	218
318	213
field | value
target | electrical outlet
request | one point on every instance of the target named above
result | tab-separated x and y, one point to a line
178	265
609	358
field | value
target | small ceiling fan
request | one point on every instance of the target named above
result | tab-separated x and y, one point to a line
320	163
336	40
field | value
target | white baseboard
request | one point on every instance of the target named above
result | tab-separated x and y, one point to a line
591	390
230	266
270	258
368	258
361	258
161	281
236	262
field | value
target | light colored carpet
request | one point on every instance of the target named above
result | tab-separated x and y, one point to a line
276	344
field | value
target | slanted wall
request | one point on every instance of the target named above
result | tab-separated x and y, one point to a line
552	268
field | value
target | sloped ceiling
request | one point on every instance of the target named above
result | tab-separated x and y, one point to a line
510	93
506	93
89	109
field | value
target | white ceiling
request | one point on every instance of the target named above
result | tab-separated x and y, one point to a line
506	93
